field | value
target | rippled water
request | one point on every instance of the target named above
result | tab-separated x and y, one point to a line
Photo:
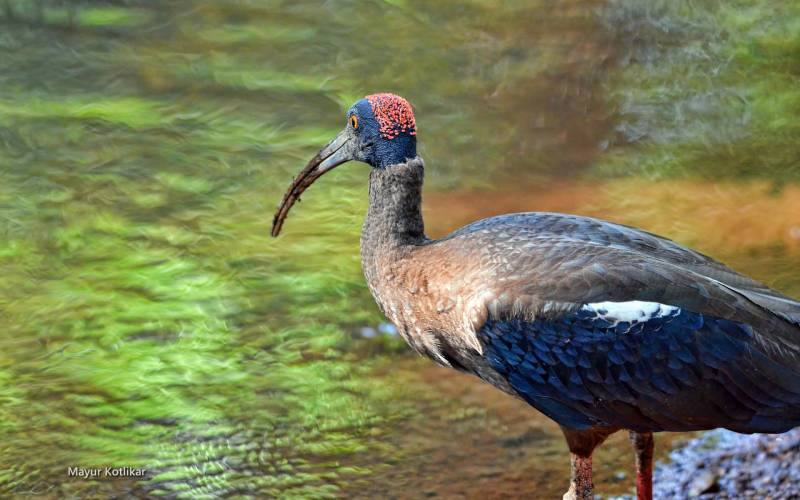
147	319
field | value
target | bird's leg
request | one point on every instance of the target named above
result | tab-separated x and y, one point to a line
581	445
581	486
643	446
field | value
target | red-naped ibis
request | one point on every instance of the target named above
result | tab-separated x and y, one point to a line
599	326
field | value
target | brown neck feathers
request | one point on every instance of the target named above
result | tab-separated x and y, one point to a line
394	217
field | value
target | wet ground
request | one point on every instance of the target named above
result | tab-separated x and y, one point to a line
147	319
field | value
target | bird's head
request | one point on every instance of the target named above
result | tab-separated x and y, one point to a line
380	131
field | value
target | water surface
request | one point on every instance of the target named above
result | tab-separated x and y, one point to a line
148	320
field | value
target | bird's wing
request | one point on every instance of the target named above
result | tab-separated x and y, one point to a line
575	274
696	262
691	344
553	248
645	367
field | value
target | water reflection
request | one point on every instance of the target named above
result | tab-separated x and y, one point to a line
147	318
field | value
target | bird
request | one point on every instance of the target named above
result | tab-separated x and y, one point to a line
601	327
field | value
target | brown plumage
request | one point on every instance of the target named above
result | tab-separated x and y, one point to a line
600	326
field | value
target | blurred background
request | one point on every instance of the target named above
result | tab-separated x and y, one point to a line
147	319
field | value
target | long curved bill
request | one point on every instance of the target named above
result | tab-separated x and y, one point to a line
328	158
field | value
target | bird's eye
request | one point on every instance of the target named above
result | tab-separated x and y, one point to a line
353	121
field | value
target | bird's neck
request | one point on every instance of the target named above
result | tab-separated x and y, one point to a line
397	151
394	217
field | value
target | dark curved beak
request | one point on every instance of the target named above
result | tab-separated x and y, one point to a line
338	151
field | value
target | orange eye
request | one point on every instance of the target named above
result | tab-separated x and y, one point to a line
353	121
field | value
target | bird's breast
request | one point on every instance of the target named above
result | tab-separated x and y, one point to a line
429	301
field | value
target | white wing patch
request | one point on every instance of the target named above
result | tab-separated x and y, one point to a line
629	312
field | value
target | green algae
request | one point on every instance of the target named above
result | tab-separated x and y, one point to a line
147	317
707	90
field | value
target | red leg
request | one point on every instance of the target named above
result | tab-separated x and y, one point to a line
581	445
581	486
643	446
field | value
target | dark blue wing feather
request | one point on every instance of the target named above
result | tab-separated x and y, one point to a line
675	371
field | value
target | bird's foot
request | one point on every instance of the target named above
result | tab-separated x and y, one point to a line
571	494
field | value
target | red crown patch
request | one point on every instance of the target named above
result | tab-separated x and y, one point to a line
394	115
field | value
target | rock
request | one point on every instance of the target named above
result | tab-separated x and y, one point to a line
723	464
704	482
368	332
387	329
